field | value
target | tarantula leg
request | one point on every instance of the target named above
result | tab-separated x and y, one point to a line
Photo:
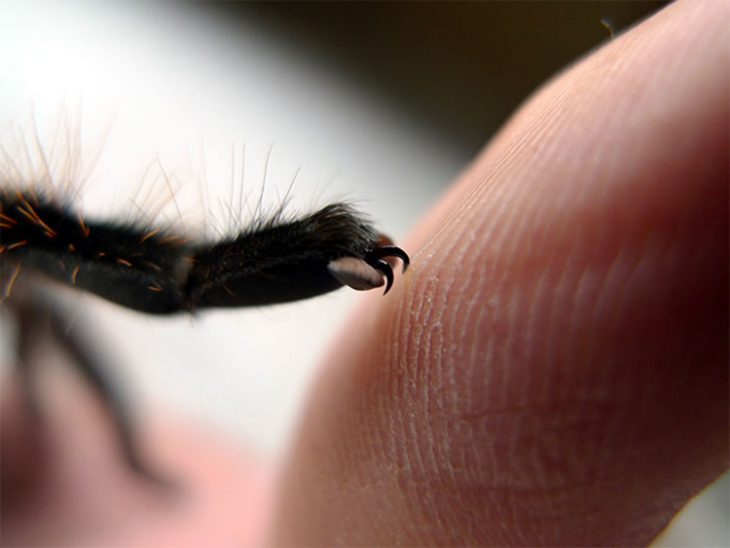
39	317
29	332
93	373
385	269
372	271
355	273
386	251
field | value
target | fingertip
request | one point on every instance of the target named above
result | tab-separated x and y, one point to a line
554	370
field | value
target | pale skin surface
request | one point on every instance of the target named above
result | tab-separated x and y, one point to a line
552	370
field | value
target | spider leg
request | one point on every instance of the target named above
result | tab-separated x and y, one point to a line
378	259
356	273
391	251
29	333
88	366
368	272
42	317
384	268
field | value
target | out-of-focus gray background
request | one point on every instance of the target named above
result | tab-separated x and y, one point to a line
382	104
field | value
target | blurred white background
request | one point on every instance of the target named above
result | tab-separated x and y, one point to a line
200	95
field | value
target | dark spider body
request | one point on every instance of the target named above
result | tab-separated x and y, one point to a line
158	272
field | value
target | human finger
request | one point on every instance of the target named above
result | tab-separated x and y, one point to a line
553	370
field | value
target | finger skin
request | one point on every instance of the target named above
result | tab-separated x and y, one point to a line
554	368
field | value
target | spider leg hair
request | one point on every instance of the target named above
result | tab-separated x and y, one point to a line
158	272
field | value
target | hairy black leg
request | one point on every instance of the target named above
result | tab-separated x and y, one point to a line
290	261
40	319
377	258
30	326
157	272
88	365
141	268
385	269
386	251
